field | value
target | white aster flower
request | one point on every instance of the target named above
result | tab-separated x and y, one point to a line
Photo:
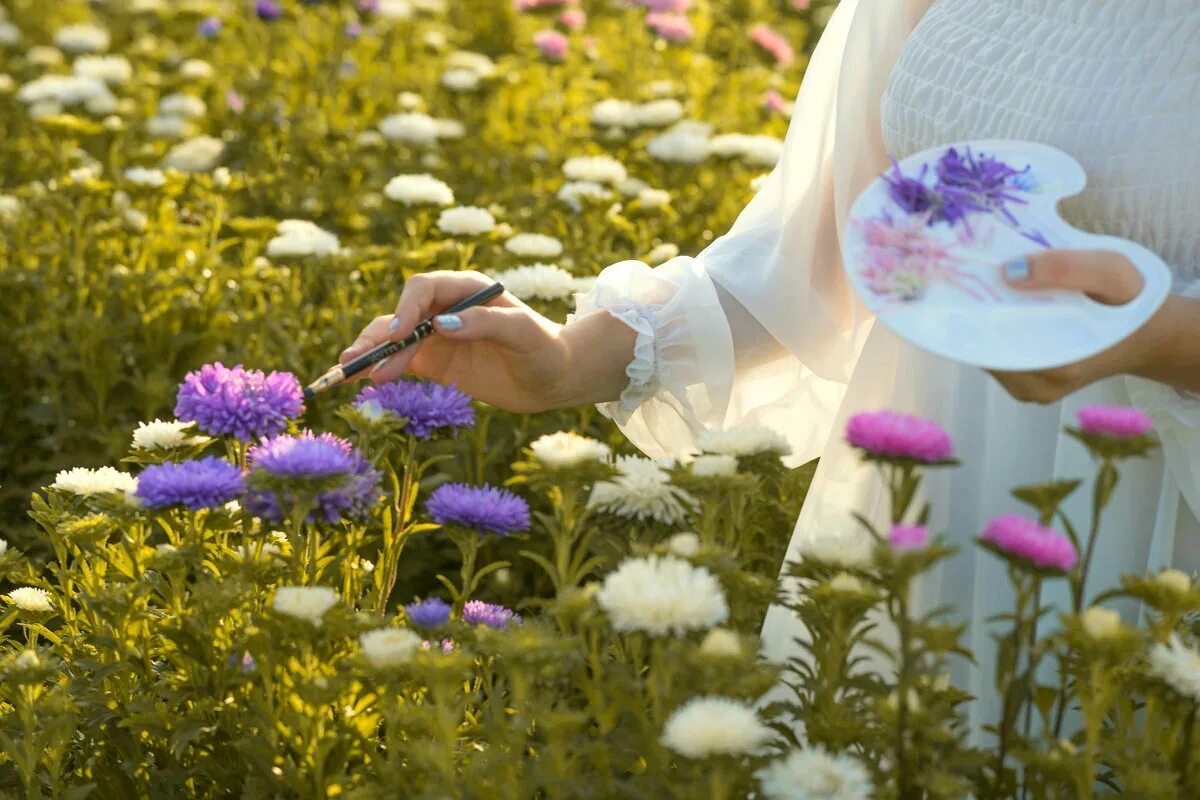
145	177
538	281
851	550
222	177
573	192
195	69
684	545
410	101
161	127
813	774
138	220
654	198
65	90
1100	623
29	598
632	187
728	145
613	113
658	113
661	253
763	151
87	482
721	642
113	70
7	84
1178	665
707	726
82	39
642	490
845	583
181	105
449	129
389	647
745	440
1175	581
411	127
419	189
160	435
299	237
662	595
44	56
9	34
3	547
534	245
714	466
85	173
195	155
678	147
661	88
460	79
10	207
307	603
597	169
102	105
478	63
466	221
393	9
568	449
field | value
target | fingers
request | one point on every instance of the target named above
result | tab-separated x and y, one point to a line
427	293
1103	275
373	335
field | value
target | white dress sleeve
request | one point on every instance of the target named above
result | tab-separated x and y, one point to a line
762	327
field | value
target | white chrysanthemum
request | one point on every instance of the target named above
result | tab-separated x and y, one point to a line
389	647
684	545
65	90
419	189
9	34
721	642
195	69
538	281
654	198
369	140
642	490
662	595
597	169
44	109
814	774
661	253
448	129
478	63
460	79
160	435
410	101
1175	581
393	9
299	237
466	221
102	105
410	126
746	440
181	105
44	56
7	84
10	207
308	603
113	70
851	550
707	726
161	127
632	187
145	177
222	177
82	39
613	113
29	598
713	465
434	40
728	145
763	151
678	147
568	449
658	113
88	172
573	192
1178	665
87	482
1100	623
534	245
661	88
138	220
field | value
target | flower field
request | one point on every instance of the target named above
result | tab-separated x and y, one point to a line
214	588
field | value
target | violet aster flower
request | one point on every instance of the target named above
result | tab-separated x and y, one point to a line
896	435
908	537
209	27
238	402
268	10
978	183
1027	540
428	406
484	508
308	458
428	613
477	612
202	483
1117	422
911	194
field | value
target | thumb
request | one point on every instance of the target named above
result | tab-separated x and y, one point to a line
513	327
1104	275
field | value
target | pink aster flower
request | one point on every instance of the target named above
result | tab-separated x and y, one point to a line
533	5
1025	539
573	19
908	537
774	43
890	433
673	6
672	27
1119	422
552	44
774	101
801	5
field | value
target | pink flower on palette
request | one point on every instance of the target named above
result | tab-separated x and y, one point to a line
1119	422
890	433
1025	539
908	537
573	19
552	44
674	6
672	27
773	43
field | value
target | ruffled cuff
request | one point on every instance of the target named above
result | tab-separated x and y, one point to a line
682	369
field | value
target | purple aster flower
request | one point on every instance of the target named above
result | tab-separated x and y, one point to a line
911	194
895	435
308	457
268	10
977	183
203	483
209	27
238	402
484	508
427	405
428	613
477	612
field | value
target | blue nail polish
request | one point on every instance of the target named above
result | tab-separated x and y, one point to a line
1017	270
379	367
395	323
451	322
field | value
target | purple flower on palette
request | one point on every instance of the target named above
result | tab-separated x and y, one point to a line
308	457
268	10
977	183
484	508
428	406
477	612
202	483
238	402
911	194
428	613
209	27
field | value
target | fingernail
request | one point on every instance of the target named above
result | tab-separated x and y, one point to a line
451	322
395	323
1017	270
380	365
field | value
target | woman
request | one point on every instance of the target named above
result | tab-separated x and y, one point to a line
761	327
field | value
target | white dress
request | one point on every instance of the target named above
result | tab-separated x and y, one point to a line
761	326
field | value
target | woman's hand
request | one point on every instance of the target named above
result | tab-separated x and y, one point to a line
1156	350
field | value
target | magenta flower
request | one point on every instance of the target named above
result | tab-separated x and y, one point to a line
1027	540
908	537
551	44
672	27
773	43
896	435
268	10
1118	422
